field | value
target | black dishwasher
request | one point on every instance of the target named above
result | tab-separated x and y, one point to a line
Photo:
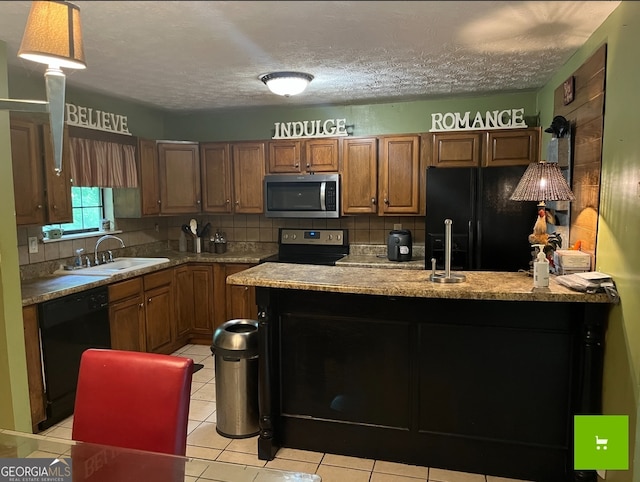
68	326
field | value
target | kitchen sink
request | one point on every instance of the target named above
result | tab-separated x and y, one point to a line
119	265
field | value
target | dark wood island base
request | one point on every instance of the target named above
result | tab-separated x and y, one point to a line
488	386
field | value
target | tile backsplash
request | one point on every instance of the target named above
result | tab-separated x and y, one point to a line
238	228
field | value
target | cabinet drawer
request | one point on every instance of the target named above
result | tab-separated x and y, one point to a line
158	278
125	289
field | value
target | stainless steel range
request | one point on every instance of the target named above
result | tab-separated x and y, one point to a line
311	246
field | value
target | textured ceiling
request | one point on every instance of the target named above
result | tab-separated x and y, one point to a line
185	55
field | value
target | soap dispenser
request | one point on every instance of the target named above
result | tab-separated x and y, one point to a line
540	269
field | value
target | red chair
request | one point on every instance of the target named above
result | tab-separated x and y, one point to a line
133	400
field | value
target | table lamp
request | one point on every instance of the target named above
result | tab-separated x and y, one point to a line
542	181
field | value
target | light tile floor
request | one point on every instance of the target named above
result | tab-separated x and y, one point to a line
203	442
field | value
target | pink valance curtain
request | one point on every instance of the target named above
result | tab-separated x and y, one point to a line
102	164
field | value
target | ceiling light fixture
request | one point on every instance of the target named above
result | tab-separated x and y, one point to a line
286	83
52	36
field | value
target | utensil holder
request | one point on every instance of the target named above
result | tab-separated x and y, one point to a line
220	248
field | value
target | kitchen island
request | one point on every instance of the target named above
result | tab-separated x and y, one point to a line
482	376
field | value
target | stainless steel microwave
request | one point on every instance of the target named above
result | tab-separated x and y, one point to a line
304	196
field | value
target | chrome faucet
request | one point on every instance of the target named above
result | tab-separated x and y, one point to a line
100	240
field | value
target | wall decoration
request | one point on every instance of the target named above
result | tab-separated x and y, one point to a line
310	129
568	90
496	119
77	115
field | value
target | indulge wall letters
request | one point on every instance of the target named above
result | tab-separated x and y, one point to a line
316	128
81	116
497	119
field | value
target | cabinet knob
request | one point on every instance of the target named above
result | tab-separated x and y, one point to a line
159	201
55	207
149	300
386	201
296	165
141	305
39	206
373	200
308	165
197	201
228	201
237	203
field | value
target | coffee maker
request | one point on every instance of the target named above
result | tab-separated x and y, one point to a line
399	245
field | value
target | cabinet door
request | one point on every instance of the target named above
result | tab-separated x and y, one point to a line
34	364
27	173
321	155
179	177
241	300
126	321
285	156
215	165
58	187
359	174
248	177
158	319
184	300
203	307
455	149
149	177
399	175
512	147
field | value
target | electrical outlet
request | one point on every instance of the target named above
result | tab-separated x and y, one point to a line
602	474
157	228
397	227
33	244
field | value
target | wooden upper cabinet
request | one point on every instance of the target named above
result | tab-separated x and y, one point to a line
179	173
149	177
512	147
455	149
41	196
285	156
27	173
399	176
215	165
302	156
248	177
321	155
359	176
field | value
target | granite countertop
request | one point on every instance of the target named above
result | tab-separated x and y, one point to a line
479	285
54	286
380	261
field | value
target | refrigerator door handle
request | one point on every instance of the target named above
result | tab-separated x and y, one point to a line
478	243
470	247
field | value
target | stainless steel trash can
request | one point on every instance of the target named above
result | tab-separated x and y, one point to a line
235	350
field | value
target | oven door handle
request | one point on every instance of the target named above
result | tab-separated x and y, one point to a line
323	196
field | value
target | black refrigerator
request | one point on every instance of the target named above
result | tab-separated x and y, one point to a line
489	231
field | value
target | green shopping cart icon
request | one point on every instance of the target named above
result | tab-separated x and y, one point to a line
611	448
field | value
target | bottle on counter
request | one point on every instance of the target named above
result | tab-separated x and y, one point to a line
540	269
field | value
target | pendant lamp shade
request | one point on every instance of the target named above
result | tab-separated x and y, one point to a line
542	181
53	35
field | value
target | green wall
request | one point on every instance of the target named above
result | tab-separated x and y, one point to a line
619	222
15	411
371	119
143	121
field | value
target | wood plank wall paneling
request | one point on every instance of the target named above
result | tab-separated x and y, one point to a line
586	114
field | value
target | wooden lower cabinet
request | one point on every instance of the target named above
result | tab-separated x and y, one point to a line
232	302
34	365
194	288
141	313
126	315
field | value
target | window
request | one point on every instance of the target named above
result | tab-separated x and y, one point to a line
87	205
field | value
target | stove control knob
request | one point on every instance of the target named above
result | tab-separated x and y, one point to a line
294	236
285	236
330	236
339	237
